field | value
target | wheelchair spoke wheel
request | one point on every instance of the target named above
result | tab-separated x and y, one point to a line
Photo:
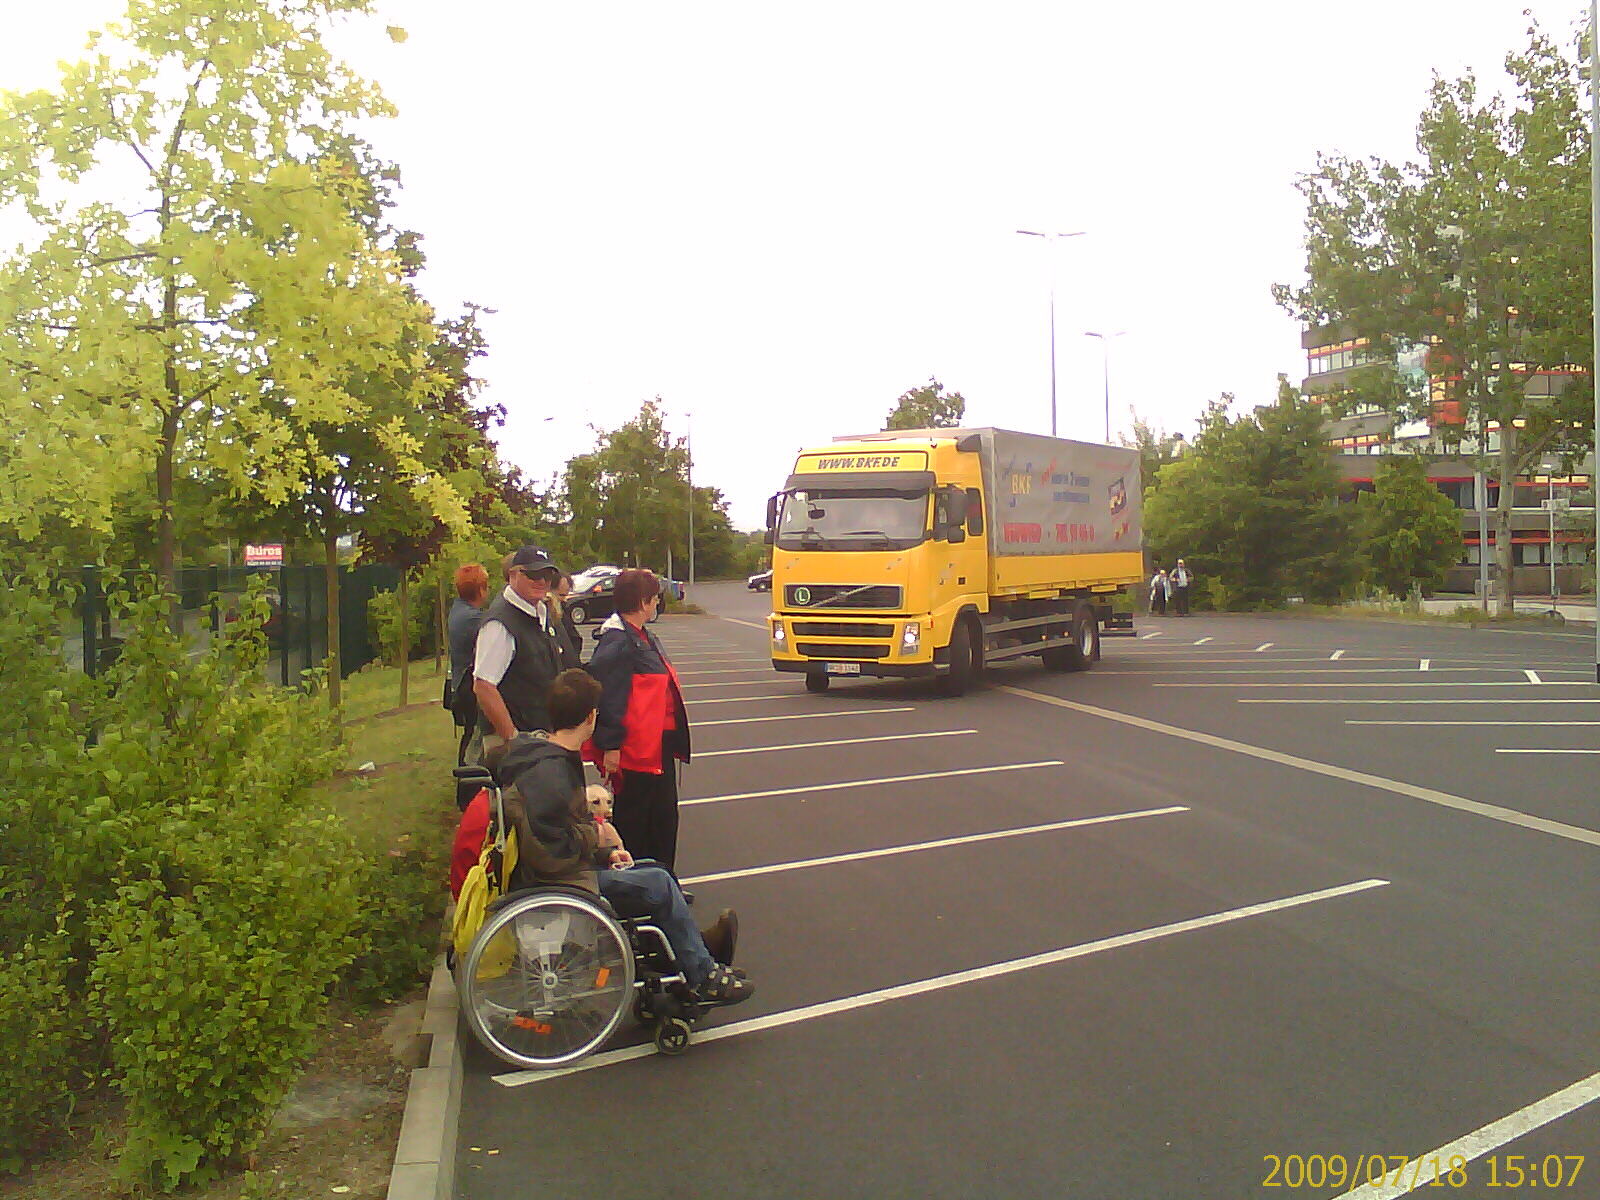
547	980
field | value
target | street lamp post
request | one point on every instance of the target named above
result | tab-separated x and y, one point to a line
1594	230
1051	237
688	446
1105	370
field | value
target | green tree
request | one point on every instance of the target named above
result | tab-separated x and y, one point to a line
626	498
1479	252
210	308
1156	449
927	407
1408	529
1253	507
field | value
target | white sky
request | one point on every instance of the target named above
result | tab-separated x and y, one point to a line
780	217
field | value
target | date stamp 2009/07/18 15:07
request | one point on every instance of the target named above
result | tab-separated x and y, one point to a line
1494	1171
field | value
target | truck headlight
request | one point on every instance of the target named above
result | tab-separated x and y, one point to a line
911	638
779	639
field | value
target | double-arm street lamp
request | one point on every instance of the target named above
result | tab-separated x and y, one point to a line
1105	370
1051	237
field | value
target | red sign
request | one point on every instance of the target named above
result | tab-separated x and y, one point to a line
264	556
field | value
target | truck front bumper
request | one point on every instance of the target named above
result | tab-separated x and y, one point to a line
880	670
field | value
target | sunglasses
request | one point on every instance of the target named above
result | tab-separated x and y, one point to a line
543	575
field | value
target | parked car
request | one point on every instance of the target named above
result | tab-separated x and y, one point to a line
760	582
593	596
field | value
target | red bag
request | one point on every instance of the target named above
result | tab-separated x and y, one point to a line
468	845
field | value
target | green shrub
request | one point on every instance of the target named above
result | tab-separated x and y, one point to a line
402	895
210	911
214	990
39	1027
383	623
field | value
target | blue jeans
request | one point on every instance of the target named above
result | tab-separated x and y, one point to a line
649	890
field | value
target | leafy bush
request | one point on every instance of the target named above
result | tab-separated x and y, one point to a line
39	1032
401	897
383	622
210	910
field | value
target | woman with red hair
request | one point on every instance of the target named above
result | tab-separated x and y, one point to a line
642	731
466	614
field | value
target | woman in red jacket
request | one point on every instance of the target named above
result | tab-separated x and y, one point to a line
643	728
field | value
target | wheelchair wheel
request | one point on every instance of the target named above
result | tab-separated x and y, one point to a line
547	980
672	1036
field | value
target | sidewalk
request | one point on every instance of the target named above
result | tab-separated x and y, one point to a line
1581	609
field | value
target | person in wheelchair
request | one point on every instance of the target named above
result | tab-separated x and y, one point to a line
558	842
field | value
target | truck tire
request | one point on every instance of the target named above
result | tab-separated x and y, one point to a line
580	614
1085	649
816	681
966	659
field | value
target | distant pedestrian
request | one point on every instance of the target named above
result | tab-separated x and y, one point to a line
643	730
1181	582
1160	590
517	654
466	614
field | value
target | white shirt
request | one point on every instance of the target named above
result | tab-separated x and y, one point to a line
496	646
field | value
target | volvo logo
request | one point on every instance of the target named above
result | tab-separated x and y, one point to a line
802	595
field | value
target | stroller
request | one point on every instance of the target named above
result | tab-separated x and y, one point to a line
546	974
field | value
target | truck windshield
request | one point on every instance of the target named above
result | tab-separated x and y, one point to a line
853	519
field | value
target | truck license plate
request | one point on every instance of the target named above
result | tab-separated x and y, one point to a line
842	668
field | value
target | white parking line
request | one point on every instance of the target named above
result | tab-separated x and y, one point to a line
956	978
1147	636
1507	751
817	716
757	670
742	699
1345	671
751	624
1263	646
1496	724
769	676
1443	683
1419	1174
892	737
1533	677
1360	700
859	783
1423	666
942	843
1494	812
1202	641
1337	654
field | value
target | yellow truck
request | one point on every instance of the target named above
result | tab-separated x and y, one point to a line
935	552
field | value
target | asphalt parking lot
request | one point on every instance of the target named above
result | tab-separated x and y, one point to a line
1252	904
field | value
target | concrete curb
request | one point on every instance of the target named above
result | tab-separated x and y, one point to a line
425	1158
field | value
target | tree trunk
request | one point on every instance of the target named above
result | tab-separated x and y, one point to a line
1503	603
405	639
439	630
330	566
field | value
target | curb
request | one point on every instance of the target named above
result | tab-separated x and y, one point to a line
425	1157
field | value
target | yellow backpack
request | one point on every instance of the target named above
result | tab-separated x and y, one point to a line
484	884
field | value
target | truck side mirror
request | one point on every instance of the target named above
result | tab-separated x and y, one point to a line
772	519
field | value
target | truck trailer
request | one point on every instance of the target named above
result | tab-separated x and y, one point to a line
935	552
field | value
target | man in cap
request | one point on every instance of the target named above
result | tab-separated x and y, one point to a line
1182	579
517	654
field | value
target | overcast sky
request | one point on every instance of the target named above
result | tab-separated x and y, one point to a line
780	217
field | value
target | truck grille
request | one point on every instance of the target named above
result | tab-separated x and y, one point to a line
837	629
813	595
843	650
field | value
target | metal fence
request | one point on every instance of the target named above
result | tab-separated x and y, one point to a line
209	600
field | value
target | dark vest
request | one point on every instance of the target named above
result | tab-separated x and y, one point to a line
525	687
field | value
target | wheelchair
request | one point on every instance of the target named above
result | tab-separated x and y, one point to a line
553	970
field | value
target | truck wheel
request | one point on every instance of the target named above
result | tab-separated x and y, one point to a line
966	660
816	681
1085	648
579	613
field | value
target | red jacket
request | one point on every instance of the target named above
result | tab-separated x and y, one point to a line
640	700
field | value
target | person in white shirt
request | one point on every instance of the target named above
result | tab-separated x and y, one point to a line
517	654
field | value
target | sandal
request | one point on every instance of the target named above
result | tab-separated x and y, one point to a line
722	986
